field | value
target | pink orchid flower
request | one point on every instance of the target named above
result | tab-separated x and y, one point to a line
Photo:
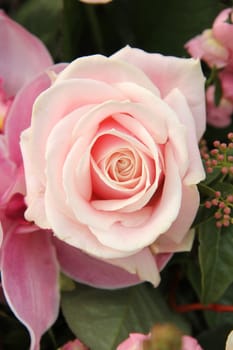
31	257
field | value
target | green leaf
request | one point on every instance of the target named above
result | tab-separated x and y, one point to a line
216	319
224	187
104	318
216	260
43	18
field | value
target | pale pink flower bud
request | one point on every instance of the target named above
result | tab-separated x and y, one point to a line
73	345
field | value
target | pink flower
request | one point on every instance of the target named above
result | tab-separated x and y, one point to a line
220	115
136	340
214	46
73	345
189	343
116	141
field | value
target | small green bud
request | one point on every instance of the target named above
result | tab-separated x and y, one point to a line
164	337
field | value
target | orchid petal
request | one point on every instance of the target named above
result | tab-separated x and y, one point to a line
89	270
30	280
24	55
19	116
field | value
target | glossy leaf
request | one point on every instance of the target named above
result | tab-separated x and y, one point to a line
216	319
102	319
216	260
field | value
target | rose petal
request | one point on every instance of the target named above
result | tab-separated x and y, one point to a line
142	263
180	227
180	72
163	215
195	172
105	69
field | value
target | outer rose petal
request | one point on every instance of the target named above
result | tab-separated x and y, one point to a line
24	55
180	72
30	280
195	171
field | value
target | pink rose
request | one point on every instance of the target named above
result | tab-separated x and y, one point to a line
117	158
214	46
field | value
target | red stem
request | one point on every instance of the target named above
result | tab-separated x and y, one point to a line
194	306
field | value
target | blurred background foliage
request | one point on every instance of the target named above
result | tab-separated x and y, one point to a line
70	28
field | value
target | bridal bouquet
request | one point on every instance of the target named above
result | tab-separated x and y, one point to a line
116	191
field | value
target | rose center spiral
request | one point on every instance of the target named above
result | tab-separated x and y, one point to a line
123	165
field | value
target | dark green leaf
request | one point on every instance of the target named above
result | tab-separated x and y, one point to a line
43	18
216	260
216	319
102	318
215	339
